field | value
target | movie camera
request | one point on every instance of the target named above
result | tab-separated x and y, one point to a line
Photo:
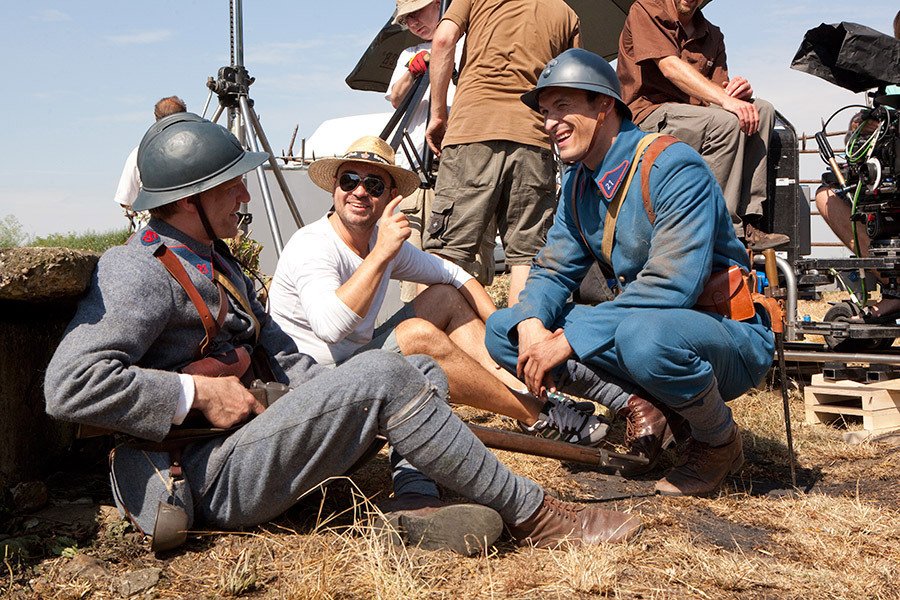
853	57
869	178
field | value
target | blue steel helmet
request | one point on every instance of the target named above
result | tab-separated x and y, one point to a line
580	69
184	154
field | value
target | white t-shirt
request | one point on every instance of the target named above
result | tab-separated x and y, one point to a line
416	126
314	264
129	182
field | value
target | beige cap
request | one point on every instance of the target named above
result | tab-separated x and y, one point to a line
405	7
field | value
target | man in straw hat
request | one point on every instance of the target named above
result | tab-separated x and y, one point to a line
144	351
332	279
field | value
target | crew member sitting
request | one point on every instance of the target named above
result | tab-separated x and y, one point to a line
675	81
836	211
666	236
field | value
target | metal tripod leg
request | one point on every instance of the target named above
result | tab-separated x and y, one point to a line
263	184
785	405
771	263
276	169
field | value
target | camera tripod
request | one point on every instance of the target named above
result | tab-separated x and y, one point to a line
232	87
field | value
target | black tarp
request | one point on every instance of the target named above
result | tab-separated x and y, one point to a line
852	56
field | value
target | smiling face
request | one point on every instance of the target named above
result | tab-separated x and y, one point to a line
357	209
424	21
221	205
570	119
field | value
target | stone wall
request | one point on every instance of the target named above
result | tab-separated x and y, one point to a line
39	289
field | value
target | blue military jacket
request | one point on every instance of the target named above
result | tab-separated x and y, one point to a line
664	265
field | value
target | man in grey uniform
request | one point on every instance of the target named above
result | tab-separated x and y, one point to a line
170	309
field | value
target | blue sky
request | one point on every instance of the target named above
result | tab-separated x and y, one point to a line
81	77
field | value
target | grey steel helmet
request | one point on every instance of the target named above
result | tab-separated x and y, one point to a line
184	154
580	69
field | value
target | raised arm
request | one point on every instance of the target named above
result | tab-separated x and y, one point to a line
360	290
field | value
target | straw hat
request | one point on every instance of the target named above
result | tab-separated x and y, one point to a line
404	7
369	150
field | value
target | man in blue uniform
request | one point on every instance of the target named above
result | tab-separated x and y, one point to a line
650	341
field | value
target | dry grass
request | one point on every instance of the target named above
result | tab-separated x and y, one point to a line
840	540
837	537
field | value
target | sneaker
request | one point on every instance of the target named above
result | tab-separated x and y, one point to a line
562	421
580	404
430	523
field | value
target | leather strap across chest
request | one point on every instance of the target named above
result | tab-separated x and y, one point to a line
646	152
210	325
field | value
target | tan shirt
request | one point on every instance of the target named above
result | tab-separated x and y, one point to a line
652	31
508	43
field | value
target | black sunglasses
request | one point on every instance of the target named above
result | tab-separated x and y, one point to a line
373	185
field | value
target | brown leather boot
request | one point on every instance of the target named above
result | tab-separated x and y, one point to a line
759	240
558	523
646	432
430	523
703	468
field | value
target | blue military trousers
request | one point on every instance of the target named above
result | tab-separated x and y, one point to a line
671	353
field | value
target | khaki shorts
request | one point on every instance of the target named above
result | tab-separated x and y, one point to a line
384	337
514	183
416	207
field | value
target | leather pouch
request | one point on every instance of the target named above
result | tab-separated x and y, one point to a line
727	293
234	362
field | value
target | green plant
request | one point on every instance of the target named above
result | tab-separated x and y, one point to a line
89	240
246	251
11	232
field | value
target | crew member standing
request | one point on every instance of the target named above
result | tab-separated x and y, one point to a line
495	157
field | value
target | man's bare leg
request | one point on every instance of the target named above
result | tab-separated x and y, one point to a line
836	213
518	274
447	329
470	383
445	308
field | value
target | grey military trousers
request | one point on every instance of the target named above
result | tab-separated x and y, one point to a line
320	430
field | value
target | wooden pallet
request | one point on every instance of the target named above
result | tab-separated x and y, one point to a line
878	404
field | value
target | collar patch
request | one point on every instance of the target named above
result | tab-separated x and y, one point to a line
610	180
149	237
203	265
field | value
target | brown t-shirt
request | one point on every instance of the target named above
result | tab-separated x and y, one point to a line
652	31
508	44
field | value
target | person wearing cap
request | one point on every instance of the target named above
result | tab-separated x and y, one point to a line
496	161
652	342
675	80
332	277
169	331
421	17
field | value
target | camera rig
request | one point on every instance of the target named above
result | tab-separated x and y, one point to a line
846	54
